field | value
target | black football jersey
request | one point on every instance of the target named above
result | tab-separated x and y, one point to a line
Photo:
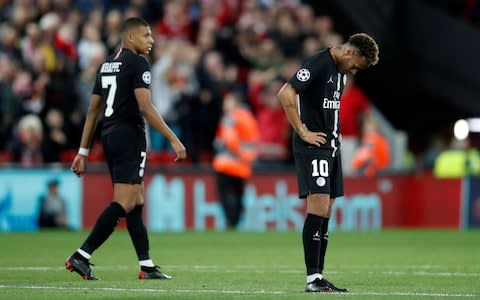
319	86
116	80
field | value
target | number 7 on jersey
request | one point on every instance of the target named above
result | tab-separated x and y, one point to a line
110	83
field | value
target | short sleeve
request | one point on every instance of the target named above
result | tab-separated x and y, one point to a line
97	87
141	73
308	72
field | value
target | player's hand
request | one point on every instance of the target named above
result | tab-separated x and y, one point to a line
180	150
78	165
314	138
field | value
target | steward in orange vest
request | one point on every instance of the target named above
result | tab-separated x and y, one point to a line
236	139
374	152
235	151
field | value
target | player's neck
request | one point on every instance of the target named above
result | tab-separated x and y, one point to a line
334	52
129	47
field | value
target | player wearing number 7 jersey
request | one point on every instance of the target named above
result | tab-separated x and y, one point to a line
311	101
122	95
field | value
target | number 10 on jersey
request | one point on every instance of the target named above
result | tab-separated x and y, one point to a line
319	168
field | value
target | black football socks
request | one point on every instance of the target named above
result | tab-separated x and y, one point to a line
102	229
138	233
324	243
311	242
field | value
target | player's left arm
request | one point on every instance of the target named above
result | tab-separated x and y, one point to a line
141	83
153	117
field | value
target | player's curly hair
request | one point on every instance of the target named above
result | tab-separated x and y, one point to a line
366	46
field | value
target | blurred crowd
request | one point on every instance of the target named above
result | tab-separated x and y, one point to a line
204	49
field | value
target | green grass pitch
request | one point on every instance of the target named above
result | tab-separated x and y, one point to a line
389	264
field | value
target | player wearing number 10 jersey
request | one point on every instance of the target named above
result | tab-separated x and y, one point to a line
311	101
122	95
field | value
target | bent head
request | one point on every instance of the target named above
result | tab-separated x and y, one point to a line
137	35
358	53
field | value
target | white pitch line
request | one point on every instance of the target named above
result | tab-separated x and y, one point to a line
410	294
34	287
213	291
241	269
245	267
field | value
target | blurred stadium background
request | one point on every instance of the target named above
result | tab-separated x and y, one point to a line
423	97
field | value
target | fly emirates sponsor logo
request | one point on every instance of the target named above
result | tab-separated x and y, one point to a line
331	104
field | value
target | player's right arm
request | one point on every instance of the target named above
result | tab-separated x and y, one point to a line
94	109
153	117
288	98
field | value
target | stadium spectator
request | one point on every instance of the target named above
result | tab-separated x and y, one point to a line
206	38
224	12
354	109
316	141
56	137
52	211
311	45
27	144
286	34
437	145
175	23
60	84
306	19
275	132
207	107
32	95
173	78
269	56
89	39
9	101
111	30
10	42
235	151
459	160
323	26
31	44
373	154
86	79
49	24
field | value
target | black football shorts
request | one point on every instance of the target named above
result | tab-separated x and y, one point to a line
125	151
318	172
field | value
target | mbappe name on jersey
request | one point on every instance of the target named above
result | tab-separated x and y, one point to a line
110	67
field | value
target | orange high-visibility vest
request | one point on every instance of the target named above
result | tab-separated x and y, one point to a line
236	143
373	155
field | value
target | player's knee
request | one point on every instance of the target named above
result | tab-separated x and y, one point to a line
318	204
127	204
139	200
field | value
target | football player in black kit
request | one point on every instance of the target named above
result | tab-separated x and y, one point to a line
311	101
121	93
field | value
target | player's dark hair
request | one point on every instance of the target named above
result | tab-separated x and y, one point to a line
133	22
366	47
